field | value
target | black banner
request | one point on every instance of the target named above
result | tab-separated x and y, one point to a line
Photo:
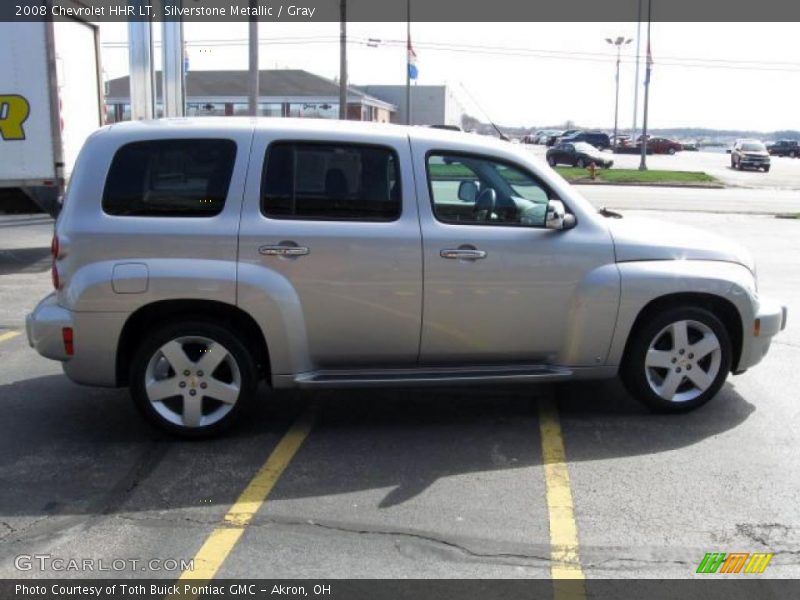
736	587
397	10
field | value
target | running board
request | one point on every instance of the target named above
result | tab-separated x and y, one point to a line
430	376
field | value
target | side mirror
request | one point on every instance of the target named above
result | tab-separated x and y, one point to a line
556	216
467	191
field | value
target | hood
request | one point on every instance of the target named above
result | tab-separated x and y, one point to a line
648	239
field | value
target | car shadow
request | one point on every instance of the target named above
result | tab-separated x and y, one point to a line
71	450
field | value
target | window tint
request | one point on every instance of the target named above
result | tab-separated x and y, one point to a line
179	178
471	190
331	182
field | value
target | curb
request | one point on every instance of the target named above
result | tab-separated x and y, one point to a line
699	186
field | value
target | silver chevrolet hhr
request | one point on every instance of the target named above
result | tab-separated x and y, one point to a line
195	257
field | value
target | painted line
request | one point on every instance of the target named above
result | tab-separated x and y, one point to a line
8	335
222	540
565	560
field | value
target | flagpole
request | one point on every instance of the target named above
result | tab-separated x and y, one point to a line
648	68
408	63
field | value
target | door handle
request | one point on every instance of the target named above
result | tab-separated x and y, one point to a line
463	253
283	250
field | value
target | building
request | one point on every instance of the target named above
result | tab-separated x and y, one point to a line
283	93
430	104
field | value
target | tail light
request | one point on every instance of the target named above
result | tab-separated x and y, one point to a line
55	249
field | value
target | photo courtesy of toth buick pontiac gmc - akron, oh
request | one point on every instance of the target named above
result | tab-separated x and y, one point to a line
195	258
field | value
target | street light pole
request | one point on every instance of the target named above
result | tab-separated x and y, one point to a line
619	42
636	83
343	59
648	65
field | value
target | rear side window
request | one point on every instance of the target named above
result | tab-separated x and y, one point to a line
330	182
170	178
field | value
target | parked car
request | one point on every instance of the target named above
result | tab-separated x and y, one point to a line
579	154
562	136
599	140
750	154
660	145
194	259
532	138
790	148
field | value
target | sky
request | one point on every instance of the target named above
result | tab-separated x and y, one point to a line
715	75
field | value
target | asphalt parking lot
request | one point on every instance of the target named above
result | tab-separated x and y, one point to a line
406	483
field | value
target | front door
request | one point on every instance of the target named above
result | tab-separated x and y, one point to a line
333	225
498	284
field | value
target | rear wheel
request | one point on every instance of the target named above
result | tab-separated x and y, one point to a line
671	151
193	378
678	360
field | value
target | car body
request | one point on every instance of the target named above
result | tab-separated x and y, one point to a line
576	154
790	148
750	154
661	145
598	139
194	258
532	138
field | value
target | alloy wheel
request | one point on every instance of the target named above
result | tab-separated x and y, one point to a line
193	381
683	361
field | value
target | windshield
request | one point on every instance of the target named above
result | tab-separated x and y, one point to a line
754	147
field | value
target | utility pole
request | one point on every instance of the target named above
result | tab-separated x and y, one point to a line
343	59
253	44
648	68
172	66
140	38
618	42
408	63
636	83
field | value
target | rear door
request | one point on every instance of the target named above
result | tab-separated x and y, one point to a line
336	217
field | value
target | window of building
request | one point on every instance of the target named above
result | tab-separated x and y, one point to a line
170	178
331	182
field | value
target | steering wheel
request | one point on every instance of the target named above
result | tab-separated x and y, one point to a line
485	203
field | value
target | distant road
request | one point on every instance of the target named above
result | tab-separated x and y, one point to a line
731	200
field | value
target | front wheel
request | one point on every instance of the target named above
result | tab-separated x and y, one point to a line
580	163
671	151
193	378
551	161
678	360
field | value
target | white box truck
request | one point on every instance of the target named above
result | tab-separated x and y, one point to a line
51	100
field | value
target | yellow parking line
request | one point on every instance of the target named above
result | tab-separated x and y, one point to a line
564	557
222	540
8	335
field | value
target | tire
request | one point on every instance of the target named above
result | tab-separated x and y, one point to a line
231	373
671	151
766	169
792	154
551	161
651	376
580	163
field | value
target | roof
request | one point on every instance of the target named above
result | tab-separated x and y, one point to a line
271	83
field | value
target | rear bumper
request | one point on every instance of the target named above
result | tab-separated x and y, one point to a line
95	335
769	321
44	328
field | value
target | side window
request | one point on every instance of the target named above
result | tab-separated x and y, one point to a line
170	178
330	182
473	190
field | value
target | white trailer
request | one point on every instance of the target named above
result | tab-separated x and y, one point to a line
51	100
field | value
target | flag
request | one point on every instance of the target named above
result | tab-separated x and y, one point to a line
412	62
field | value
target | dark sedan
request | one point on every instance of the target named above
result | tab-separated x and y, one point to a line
580	155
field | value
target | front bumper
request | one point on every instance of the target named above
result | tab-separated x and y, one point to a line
44	327
769	321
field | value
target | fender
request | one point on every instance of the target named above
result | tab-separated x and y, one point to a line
645	281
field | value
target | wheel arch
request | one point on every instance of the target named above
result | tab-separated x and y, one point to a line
721	307
150	316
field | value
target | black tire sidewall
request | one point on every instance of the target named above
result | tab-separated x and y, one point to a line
153	341
633	371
